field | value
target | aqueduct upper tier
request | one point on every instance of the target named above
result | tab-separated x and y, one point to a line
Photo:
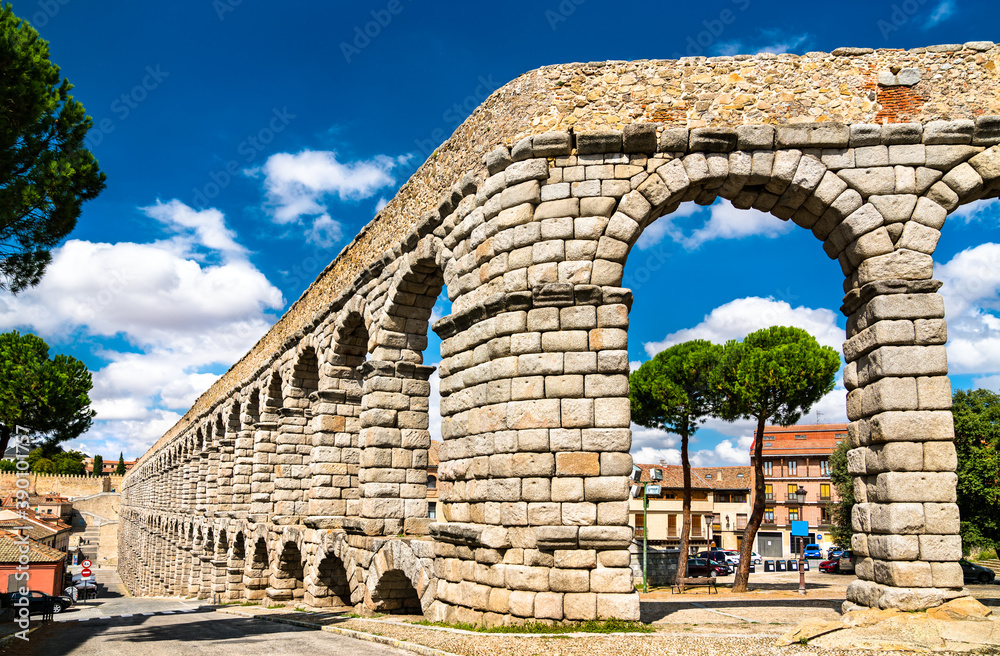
301	474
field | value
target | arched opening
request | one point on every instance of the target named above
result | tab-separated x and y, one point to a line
265	434
287	577
394	594
258	572
243	470
235	566
331	587
293	441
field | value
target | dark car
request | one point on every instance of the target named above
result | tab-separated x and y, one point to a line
719	556
973	573
830	566
834	553
38	602
699	567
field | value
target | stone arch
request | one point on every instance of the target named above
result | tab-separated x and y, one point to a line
329	584
235	566
397	582
265	434
258	567
293	440
394	436
287	582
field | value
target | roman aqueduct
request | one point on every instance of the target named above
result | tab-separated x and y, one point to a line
301	474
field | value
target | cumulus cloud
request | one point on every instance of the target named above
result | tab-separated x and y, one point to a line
723	222
740	317
977	210
165	316
300	186
971	294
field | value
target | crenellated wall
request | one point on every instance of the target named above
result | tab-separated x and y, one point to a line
301	475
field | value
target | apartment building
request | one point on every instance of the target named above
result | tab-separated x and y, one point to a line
719	506
794	458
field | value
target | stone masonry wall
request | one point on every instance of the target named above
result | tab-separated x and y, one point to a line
302	474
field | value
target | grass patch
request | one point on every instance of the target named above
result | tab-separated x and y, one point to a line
590	626
239	603
373	616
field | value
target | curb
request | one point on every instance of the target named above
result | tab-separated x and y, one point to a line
357	635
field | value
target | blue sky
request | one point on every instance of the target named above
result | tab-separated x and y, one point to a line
245	144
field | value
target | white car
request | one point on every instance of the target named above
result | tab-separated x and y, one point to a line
755	558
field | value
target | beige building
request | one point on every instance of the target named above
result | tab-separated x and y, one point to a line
719	506
797	457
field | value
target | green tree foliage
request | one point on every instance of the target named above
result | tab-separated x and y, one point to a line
842	527
775	374
8	466
46	396
977	442
53	460
98	466
674	392
46	172
120	469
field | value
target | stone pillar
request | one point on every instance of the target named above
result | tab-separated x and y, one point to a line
291	461
212	460
394	442
903	453
235	588
262	485
330	475
200	472
243	467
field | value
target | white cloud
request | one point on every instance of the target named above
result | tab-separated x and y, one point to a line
941	13
740	317
300	186
724	453
987	382
434	404
770	40
724	222
972	300
165	315
977	210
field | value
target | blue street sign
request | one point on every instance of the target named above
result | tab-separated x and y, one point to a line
800	528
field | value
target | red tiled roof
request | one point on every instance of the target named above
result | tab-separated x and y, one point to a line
820	438
10	550
725	478
673	477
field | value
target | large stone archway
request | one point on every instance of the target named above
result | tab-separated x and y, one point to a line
527	222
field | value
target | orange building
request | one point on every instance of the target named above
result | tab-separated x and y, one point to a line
796	457
46	566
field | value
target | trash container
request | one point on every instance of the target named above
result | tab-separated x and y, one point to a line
805	565
768	565
781	565
793	565
753	568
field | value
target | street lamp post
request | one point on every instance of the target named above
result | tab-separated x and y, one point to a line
800	494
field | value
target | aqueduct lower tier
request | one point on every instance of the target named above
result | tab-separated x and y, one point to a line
302	473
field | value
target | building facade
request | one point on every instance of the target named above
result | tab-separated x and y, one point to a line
796	457
719	506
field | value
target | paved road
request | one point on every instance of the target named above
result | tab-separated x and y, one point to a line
198	632
111	602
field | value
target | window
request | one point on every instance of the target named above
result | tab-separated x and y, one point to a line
722	498
825	517
739	475
708	477
824	492
741	521
768	491
696	525
639	519
768	445
738	498
432	512
840	437
801	437
432	483
672	526
767	467
793	514
793	467
768	515
792	489
824	467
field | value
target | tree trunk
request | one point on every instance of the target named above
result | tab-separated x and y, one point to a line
5	433
756	515
682	558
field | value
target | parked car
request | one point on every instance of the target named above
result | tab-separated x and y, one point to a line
703	567
846	563
830	566
834	553
720	556
37	602
755	558
973	573
812	551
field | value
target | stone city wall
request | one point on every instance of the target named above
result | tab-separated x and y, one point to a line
301	475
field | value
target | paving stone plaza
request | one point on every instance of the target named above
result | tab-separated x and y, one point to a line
301	474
